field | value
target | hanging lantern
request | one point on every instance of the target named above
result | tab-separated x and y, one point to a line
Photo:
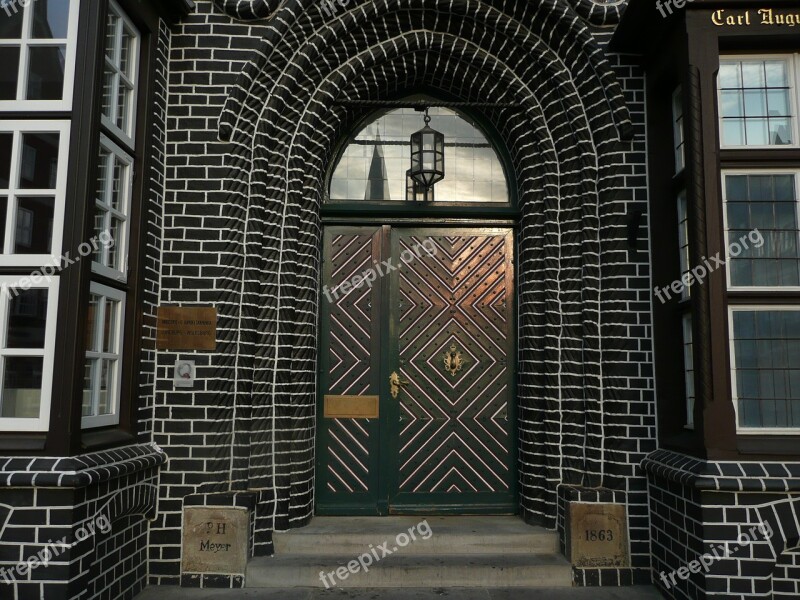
427	155
415	192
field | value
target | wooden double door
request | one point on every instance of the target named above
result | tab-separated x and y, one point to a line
417	360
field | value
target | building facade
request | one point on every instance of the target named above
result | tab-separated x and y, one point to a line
599	304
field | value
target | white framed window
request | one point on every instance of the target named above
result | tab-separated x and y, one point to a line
688	368
120	74
758	101
765	368
679	141
33	180
102	378
28	313
112	210
683	243
38	40
762	229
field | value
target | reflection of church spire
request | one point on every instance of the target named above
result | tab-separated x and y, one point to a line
377	181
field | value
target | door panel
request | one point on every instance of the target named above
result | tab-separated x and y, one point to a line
454	315
442	320
347	455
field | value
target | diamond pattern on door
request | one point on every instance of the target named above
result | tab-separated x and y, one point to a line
454	326
349	361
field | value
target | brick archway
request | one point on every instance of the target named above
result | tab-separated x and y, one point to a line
283	122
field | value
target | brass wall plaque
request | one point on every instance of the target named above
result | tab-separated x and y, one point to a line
187	328
215	540
351	407
598	535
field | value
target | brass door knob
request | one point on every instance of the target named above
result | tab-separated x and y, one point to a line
395	383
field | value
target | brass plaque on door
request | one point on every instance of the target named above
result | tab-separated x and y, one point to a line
351	407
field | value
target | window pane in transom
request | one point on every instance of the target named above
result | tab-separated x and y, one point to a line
374	164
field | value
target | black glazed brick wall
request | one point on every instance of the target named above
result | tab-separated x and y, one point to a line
723	510
153	212
207	51
90	511
223	234
786	578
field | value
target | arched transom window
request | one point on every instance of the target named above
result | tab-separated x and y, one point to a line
373	165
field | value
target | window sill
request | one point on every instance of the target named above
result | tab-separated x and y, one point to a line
755	156
106	438
22	442
772	445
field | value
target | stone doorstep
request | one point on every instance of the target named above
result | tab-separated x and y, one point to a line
352	536
400	571
626	593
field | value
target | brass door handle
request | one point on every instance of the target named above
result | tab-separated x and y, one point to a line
395	383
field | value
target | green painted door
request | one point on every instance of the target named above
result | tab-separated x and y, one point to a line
429	331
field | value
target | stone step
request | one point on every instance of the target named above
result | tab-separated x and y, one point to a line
352	536
404	571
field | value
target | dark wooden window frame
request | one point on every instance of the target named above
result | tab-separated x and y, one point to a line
65	436
665	184
685	50
706	43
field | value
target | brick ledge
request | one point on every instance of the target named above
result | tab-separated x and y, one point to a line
80	471
733	476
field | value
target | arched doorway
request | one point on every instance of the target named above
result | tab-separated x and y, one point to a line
313	78
417	335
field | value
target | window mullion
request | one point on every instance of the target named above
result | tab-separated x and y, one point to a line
110	161
22	71
14	171
100	317
116	60
25	352
25	37
797	211
4	309
795	96
5	304
11	224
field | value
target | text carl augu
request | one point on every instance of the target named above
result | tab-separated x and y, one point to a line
766	16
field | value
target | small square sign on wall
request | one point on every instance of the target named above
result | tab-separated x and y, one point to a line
215	540
184	374
598	535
